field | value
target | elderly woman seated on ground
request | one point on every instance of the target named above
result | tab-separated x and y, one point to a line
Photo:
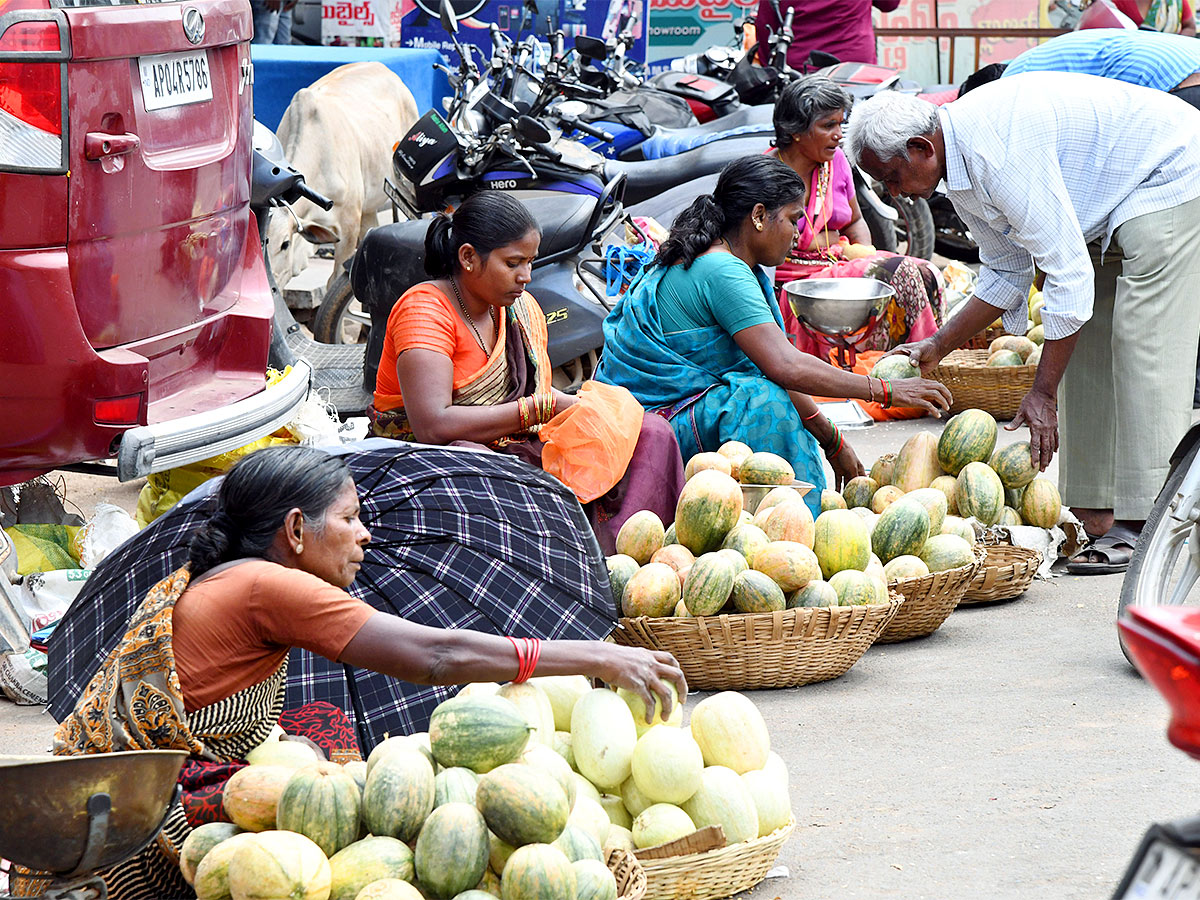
699	337
202	664
464	363
832	237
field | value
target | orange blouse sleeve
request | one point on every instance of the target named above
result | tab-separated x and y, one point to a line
422	321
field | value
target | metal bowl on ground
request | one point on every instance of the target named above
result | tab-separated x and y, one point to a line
752	494
46	824
836	306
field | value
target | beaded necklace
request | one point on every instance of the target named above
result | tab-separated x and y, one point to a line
821	192
467	316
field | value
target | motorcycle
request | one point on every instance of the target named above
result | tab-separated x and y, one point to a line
1164	643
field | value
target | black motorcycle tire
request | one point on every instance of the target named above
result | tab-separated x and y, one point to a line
913	235
328	323
1158	512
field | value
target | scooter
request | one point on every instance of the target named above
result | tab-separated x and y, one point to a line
1164	643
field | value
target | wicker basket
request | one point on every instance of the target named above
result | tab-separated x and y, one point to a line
975	385
984	339
748	651
715	873
928	601
1006	573
630	875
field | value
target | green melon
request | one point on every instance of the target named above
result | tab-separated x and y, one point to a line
766	468
831	500
1014	465
279	864
251	795
968	437
477	732
946	551
549	763
1005	358
398	795
577	844
909	566
366	861
1018	344
777	495
620	569
676	556
1009	516
855	588
709	584
521	805
454	785
666	764
899	366
948	485
535	706
841	541
391	889
538	872
640	536
884	469
594	881
754	592
669	536
815	593
1040	504
917	463
1012	497
980	493
902	529
746	540
199	842
652	591
960	527
452	849
935	504
709	506
322	803
859	491
211	880
723	799
736	559
789	564
1037	336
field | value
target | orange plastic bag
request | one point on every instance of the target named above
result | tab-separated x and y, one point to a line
589	444
863	363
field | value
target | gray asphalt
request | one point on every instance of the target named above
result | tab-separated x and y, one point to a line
1012	754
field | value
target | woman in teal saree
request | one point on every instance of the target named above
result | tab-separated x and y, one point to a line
699	338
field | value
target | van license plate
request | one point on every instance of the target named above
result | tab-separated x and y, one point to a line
1165	872
175	79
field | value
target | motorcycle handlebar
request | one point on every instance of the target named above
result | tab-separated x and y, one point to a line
309	194
585	127
548	151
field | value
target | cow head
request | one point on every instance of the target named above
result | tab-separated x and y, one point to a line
290	242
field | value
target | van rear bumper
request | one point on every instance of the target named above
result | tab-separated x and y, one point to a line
155	448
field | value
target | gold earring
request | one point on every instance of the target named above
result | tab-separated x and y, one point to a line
758	225
299	548
468	268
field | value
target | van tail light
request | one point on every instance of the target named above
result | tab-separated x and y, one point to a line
32	51
118	410
1164	642
32	92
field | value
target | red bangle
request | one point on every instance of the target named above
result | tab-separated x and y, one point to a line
529	650
810	418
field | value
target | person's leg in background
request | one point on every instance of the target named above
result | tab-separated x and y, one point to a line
266	21
283	28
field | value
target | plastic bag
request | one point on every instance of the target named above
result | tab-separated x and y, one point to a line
44	597
108	528
43	548
589	444
23	678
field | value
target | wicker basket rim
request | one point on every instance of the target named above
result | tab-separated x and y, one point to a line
967	359
924	580
894	598
712	857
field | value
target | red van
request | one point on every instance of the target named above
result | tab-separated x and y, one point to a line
135	312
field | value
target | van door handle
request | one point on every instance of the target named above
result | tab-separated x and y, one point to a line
98	145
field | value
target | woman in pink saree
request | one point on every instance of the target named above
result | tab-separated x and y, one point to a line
832	239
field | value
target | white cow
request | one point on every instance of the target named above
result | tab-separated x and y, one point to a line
339	133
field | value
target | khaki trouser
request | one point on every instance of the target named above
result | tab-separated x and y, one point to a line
1126	398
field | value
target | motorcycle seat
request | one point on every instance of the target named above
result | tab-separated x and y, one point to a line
562	217
666	142
653	176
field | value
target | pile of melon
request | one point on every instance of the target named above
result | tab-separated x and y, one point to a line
956	476
1017	350
719	557
516	792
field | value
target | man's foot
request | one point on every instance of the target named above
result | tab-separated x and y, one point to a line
1108	554
1096	522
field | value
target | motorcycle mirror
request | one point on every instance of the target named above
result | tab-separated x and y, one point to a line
448	17
532	130
590	47
776	10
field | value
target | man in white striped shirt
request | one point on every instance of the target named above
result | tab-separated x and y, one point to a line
1039	166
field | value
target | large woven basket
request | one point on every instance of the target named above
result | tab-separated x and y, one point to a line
928	601
976	385
748	651
1006	573
984	339
630	874
714	873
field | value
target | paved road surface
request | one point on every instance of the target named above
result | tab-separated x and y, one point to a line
1013	754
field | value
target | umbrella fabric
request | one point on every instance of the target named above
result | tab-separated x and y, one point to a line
460	539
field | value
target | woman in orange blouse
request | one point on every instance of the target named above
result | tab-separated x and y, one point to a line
464	360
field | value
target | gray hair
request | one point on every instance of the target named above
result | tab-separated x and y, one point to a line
885	123
803	102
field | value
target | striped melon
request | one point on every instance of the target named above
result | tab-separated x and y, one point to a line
754	592
894	367
199	842
603	737
917	463
968	437
1020	345
211	880
669	536
594	880
856	588
859	491
660	823
884	469
885	497
746	540
841	541
393	889
577	844
498	852
640	536
1014	465
452	849
738	561
702	461
522	806
1005	358
735	452
251	796
620	569
1012	497
723	799
1009	516
478	732
1041	504
709	506
538	872
589	815
946	551
731	732
789	564
960	527
652	591
366	861
948	485
709	584
398	795
908	566
276	865
790	521
454	785
935	504
980	493
815	593
534	705
550	764
902	529
766	468
777	495
676	556
831	500
322	803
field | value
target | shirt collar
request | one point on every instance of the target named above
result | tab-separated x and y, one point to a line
957	178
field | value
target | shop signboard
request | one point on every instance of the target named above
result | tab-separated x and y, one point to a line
358	23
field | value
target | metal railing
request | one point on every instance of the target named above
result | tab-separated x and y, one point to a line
978	34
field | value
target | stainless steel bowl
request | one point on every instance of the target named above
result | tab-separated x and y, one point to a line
836	306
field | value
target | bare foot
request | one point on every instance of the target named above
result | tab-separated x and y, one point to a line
1095	521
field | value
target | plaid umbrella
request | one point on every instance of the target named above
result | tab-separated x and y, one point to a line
460	539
